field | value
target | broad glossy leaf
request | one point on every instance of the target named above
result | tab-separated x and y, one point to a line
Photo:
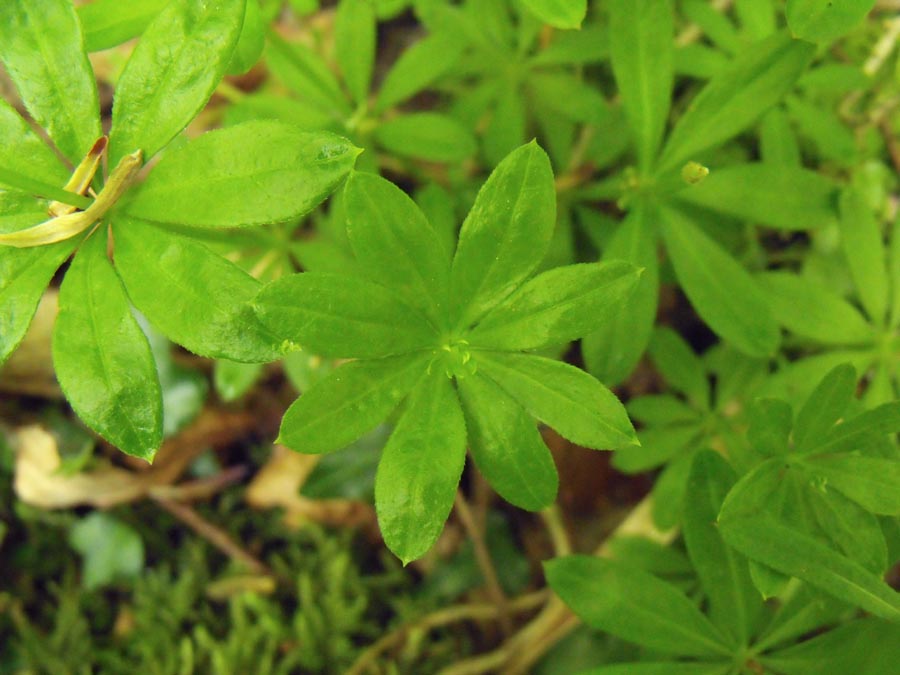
641	50
723	293
349	402
825	20
171	74
107	23
681	368
24	153
102	358
633	605
824	407
426	135
563	397
193	296
871	482
343	316
506	445
813	311
505	235
734	603
420	468
612	352
734	99
775	195
43	51
251	42
354	44
250	174
396	245
560	305
558	13
865	253
417	68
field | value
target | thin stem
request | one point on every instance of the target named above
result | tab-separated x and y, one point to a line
556	528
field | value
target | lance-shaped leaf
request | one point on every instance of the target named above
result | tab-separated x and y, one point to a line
42	49
102	358
866	256
871	482
25	154
506	445
824	407
107	23
734	99
723	293
172	72
563	397
641	51
419	66
396	245
852	434
426	135
251	42
349	402
354	44
558	13
634	605
195	297
775	195
343	316
681	368
250	174
302	71
825	20
661	668
612	352
557	306
506	233
420	468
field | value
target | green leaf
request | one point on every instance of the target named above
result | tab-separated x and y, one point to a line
825	20
171	74
734	99
102	358
612	352
851	529
195	297
777	140
723	293
426	135
354	45
557	306
871	482
420	469
395	244
343	316
733	601
660	668
641	50
775	195
812	311
25	154
681	368
233	379
250	174
349	402
111	549
302	71
563	14
251	42
505	235
563	397
771	421
633	605
824	407
506	445
43	51
865	253
850	435
417	68
507	127
108	23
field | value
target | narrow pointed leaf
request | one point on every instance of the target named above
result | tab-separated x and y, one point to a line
506	234
563	397
195	297
349	402
824	407
681	368
343	316
825	20
24	153
506	445
419	66
560	305
871	482
771	421
108	23
354	44
102	358
396	245
43	51
723	293
865	252
633	605
426	135
420	468
641	51
304	72
172	72
251	174
565	14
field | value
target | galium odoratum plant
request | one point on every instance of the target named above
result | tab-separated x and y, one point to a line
455	339
252	174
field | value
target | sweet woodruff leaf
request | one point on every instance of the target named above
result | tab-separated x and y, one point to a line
558	13
825	20
421	324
